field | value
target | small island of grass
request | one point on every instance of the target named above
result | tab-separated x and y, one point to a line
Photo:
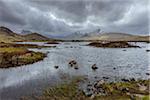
115	44
12	57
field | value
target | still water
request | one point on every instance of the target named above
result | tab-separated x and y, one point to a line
115	63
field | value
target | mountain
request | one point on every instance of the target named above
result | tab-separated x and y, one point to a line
35	37
26	32
6	30
81	35
7	35
114	36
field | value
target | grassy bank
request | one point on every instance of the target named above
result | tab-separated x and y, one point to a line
113	91
116	44
5	45
13	56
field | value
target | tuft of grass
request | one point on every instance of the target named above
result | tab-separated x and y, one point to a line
70	91
12	50
64	91
146	97
32	57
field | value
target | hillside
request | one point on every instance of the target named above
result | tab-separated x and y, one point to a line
7	35
35	37
118	37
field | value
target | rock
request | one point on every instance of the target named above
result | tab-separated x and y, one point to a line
92	96
94	67
99	83
125	80
52	42
142	88
89	85
56	67
88	92
124	50
147	73
47	52
74	64
95	77
125	90
114	68
76	67
132	79
147	50
105	77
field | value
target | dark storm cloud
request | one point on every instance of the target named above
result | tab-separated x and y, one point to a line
64	16
7	14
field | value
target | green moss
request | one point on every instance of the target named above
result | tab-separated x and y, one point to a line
146	97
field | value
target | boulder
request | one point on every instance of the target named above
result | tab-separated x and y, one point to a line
56	67
94	67
73	64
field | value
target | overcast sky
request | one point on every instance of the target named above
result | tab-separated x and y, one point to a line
65	16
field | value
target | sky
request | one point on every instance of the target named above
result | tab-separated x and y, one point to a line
59	17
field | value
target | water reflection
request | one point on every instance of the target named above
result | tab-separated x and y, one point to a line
114	63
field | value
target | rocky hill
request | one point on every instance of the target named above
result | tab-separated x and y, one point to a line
35	37
7	35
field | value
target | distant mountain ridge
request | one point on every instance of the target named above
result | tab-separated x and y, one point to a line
7	35
80	35
26	32
114	36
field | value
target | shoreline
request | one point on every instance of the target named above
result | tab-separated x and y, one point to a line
17	59
132	89
16	55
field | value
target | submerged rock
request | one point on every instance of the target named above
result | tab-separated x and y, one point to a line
125	80
147	73
76	67
73	64
114	68
105	77
132	79
147	50
94	67
56	67
52	42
